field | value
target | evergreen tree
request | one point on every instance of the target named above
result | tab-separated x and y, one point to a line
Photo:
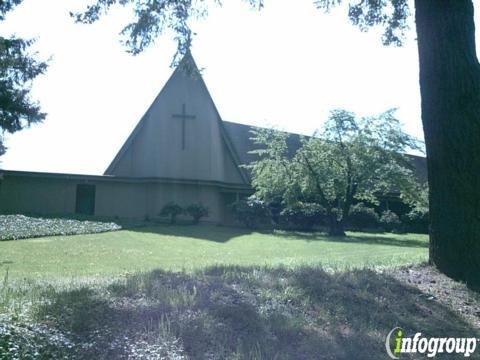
17	70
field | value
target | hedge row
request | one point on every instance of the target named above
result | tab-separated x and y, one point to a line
254	213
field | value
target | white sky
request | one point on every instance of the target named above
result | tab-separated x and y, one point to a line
285	66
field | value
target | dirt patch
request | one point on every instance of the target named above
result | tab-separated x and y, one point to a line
436	286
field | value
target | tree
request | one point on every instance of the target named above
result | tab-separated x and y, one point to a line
350	160
449	85
17	70
450	90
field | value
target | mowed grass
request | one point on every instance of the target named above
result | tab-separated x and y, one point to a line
189	248
205	292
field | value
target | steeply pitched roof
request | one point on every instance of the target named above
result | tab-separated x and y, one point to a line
187	70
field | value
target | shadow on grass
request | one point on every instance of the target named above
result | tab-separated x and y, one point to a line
244	312
223	234
220	234
358	238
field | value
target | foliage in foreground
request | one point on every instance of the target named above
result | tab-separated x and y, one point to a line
153	19
352	159
13	227
221	312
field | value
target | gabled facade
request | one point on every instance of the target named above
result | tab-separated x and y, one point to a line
181	136
180	151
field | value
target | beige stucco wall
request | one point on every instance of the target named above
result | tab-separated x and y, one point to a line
44	195
36	195
133	200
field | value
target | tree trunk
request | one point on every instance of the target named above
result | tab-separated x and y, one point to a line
450	91
336	227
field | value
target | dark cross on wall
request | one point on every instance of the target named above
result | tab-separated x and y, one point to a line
183	116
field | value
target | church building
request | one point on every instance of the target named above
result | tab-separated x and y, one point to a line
181	151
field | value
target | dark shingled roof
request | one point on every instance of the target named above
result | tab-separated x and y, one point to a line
240	134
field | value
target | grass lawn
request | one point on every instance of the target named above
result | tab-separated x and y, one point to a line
204	292
195	247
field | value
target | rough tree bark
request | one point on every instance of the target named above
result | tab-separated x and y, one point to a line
450	91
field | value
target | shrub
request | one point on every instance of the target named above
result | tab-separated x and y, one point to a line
197	211
303	216
390	221
171	210
14	227
362	217
250	212
417	221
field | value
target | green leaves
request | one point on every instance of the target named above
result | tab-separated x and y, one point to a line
351	159
18	68
171	210
196	211
391	15
155	17
152	19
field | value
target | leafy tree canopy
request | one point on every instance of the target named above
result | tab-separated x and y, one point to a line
153	18
351	159
17	69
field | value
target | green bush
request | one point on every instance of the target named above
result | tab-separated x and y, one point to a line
196	211
416	221
362	217
171	210
303	216
251	212
13	227
390	221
